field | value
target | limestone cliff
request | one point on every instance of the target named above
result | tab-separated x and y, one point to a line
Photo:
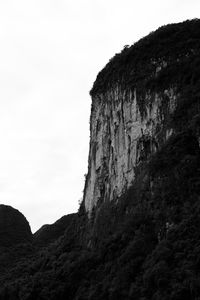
121	137
145	130
134	101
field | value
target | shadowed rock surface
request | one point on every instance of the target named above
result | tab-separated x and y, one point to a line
136	235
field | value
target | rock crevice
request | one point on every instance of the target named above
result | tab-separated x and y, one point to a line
123	135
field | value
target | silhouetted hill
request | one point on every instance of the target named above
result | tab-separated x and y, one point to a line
143	243
14	228
49	233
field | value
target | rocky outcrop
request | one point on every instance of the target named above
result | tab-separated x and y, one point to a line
14	228
122	137
145	129
135	100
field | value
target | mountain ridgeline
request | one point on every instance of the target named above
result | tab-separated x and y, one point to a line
136	234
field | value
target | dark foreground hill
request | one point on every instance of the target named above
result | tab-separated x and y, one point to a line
14	228
145	243
50	232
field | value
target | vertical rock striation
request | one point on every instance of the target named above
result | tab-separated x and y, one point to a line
134	103
122	136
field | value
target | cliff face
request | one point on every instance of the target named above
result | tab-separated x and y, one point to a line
142	240
122	137
139	101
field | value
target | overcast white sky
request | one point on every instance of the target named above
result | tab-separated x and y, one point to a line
50	54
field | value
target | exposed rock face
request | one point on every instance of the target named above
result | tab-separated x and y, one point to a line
134	99
122	137
144	244
14	228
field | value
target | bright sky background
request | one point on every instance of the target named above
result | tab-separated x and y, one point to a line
50	54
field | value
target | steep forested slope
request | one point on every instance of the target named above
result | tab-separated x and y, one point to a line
146	244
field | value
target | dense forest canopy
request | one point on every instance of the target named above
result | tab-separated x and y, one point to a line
147	245
169	45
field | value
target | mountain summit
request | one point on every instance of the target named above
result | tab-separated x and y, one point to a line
142	97
136	235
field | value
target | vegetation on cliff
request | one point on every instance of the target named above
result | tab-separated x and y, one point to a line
147	246
174	49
